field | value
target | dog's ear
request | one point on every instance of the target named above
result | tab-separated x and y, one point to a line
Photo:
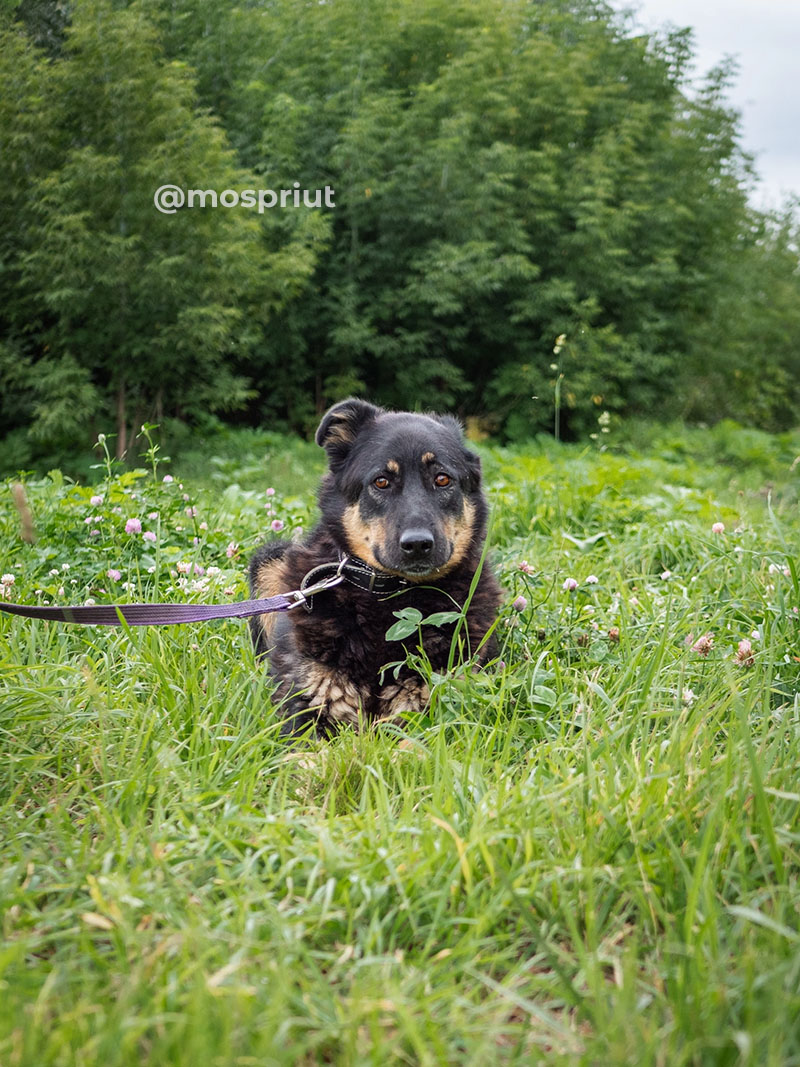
471	470
471	479
341	424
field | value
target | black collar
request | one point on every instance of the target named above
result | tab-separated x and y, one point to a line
358	573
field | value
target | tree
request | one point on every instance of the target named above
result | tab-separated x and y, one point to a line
147	310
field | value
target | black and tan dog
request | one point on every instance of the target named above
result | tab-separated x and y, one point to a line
403	522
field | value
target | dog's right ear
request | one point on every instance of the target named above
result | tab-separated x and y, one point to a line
341	424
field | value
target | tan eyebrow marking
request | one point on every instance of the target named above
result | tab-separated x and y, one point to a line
428	457
393	466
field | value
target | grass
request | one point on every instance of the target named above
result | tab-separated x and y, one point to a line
587	854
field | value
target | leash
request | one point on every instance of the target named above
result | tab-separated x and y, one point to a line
318	580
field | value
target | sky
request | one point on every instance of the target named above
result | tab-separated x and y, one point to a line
764	37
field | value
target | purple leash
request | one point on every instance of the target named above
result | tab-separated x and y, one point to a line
171	614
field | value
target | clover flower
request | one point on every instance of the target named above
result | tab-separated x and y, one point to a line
744	654
520	603
570	584
133	526
703	645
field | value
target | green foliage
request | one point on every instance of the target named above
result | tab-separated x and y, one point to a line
504	174
586	853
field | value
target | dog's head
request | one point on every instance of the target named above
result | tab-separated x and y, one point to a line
403	491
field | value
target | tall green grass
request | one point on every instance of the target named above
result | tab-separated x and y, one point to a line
585	854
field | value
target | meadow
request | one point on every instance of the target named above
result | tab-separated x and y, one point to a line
587	853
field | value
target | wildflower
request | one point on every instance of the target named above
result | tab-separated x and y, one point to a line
212	572
744	654
94	533
61	590
183	567
756	635
270	491
501	664
133	526
148	535
570	584
113	574
65	566
231	550
229	590
152	515
54	572
613	635
96	501
718	528
703	645
167	479
688	697
665	575
186	495
634	602
203	526
559	343
89	602
520	603
88	519
7	579
592	579
277	524
582	640
525	567
191	512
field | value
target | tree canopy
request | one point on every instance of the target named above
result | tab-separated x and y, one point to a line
505	174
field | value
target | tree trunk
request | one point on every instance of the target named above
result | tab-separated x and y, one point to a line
122	441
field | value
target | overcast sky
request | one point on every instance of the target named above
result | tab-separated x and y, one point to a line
764	37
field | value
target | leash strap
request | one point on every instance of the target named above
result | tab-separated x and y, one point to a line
325	576
172	614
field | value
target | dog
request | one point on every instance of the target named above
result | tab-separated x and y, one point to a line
403	525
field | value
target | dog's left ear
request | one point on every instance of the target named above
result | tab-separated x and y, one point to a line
471	476
341	424
471	481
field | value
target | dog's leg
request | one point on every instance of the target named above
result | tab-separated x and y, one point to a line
267	578
408	695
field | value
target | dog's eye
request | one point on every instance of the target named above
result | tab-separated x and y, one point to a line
441	480
380	482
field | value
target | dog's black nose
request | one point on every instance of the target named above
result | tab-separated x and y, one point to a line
416	544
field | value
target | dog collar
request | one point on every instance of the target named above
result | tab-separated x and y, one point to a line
355	572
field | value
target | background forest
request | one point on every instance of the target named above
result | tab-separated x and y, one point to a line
505	173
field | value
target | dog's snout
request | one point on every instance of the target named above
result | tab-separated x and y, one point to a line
416	544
